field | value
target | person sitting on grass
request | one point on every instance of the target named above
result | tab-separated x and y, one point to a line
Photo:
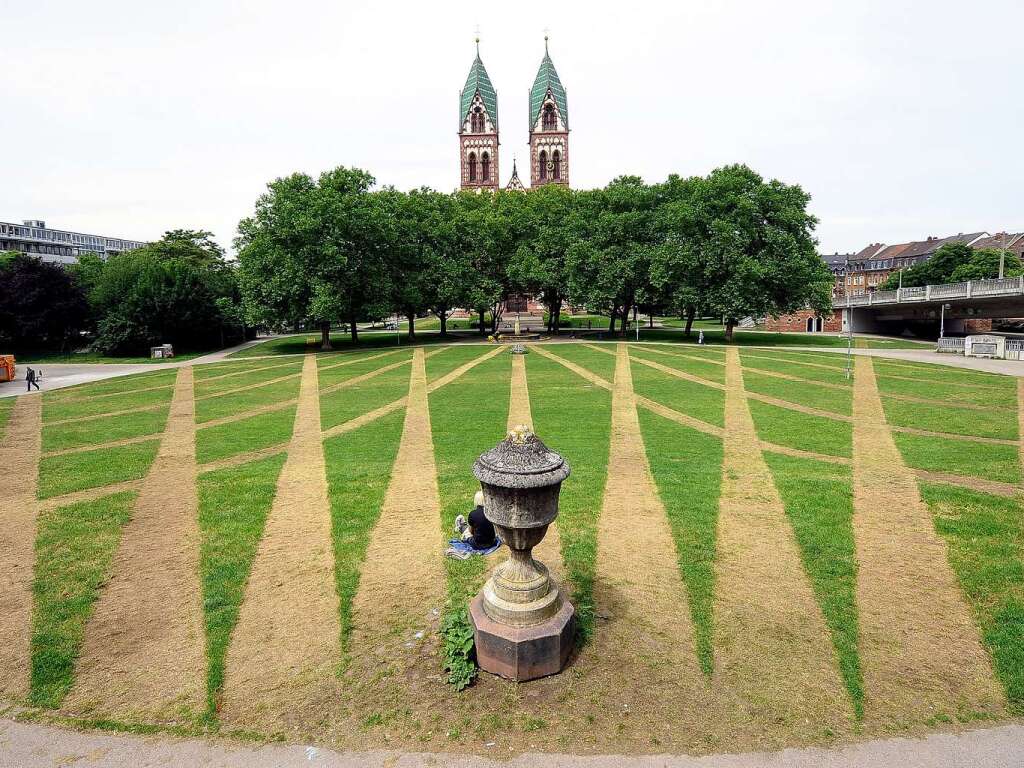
477	531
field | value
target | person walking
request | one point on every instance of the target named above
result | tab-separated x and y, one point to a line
30	380
700	338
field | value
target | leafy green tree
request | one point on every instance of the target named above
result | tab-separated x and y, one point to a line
755	245
984	265
191	245
678	278
41	304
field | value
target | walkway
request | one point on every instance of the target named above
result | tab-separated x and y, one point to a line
27	745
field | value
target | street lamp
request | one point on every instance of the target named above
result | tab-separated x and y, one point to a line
942	319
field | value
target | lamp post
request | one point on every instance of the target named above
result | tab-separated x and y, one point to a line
849	322
942	319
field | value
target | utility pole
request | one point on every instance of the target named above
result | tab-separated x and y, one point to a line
1002	257
942	320
849	320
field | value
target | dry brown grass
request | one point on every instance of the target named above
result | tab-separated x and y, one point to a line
143	655
19	472
919	648
280	665
773	657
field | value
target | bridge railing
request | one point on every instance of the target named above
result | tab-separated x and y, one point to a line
1007	286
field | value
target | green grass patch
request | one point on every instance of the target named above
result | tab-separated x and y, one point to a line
818	499
800	430
55	410
958	421
206	388
467	418
75	547
310	342
77	434
697	400
42	357
233	508
950	391
708	370
687	469
790	368
359	466
716	335
118	384
823	398
252	434
238	368
6	406
960	457
357	399
573	417
943	373
600	363
229	405
449	359
94	469
985	535
356	367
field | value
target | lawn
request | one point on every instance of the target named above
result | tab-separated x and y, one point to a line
96	436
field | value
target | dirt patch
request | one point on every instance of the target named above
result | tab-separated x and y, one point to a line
243	458
796	452
919	648
89	494
974	483
773	656
280	666
397	607
143	654
549	551
644	628
19	457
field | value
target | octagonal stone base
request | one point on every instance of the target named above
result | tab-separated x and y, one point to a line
523	653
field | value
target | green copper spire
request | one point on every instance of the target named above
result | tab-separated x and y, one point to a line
478	80
547	77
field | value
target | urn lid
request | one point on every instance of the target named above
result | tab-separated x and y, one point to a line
521	460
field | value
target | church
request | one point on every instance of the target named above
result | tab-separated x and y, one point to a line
478	129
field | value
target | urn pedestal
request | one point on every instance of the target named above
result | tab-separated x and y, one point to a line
523	623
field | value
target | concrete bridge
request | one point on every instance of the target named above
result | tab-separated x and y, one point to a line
920	308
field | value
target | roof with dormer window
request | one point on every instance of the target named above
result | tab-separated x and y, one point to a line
547	81
478	81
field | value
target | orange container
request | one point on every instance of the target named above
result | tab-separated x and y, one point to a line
6	367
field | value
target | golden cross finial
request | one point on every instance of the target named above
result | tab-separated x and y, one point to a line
547	33
476	38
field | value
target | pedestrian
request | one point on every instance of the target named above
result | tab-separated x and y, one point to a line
30	380
700	338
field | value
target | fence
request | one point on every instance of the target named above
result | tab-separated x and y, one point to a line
951	344
1007	286
1014	348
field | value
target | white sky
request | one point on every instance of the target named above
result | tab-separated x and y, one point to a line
902	119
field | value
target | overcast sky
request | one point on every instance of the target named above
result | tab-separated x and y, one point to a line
902	119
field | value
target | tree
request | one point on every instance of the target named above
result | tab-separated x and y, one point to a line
194	246
984	265
951	263
678	278
41	304
755	245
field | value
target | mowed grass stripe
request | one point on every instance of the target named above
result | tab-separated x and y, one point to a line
244	381
359	467
801	430
233	507
920	651
946	417
960	457
467	419
78	435
57	411
60	475
697	400
230	404
838	400
827	374
985	535
337	373
117	385
818	499
343	405
573	417
440	364
687	469
601	361
251	434
711	371
74	551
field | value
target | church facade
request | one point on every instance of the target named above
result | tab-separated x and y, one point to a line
479	135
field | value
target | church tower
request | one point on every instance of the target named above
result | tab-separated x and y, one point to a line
478	129
549	126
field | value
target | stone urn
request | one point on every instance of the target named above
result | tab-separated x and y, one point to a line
523	622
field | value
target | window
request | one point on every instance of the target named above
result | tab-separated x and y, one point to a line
485	166
472	166
556	161
549	121
543	164
476	121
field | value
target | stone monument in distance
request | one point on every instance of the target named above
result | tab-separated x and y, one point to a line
523	623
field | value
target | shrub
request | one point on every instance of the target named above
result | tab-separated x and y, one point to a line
459	652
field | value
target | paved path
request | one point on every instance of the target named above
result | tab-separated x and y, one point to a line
25	745
60	375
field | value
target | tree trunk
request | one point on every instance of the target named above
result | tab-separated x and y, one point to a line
691	312
412	326
325	337
555	316
483	320
611	321
729	325
443	317
353	330
625	319
650	320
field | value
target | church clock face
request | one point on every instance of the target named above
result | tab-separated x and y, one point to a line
551	166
